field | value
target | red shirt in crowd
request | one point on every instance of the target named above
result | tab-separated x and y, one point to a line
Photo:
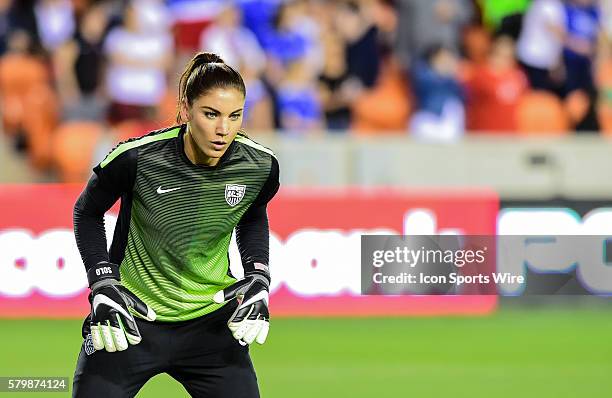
493	96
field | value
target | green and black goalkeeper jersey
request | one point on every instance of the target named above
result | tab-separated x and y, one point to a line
176	218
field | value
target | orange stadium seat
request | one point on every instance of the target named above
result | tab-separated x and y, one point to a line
134	128
166	109
604	83
604	115
18	75
73	147
39	124
127	129
541	113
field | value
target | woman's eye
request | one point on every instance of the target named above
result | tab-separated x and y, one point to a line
234	117
210	115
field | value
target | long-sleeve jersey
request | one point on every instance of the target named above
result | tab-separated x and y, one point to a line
176	218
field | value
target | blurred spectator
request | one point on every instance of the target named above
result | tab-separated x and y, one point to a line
295	36
337	90
55	21
385	17
258	16
357	28
477	44
494	90
504	17
22	17
78	68
5	23
259	105
582	27
138	63
583	30
440	113
322	12
298	101
298	19
288	39
283	27
427	23
239	47
153	17
385	107
540	44
191	17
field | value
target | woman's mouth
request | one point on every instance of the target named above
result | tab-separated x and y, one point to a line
218	145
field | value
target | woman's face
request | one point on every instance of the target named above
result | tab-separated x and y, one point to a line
214	120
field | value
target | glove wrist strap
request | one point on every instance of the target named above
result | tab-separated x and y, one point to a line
257	269
103	271
261	278
103	283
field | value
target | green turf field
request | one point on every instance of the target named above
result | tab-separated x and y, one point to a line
543	353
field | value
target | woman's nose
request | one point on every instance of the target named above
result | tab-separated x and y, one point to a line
223	126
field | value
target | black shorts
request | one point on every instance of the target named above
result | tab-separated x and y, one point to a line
201	354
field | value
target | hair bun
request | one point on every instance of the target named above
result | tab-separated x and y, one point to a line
207	58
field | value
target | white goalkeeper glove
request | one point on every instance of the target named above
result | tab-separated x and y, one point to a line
112	324
251	320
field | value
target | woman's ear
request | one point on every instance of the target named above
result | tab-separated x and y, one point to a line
184	112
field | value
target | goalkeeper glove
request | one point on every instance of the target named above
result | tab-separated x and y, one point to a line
112	325
250	321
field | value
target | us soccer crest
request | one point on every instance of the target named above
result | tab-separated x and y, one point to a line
234	193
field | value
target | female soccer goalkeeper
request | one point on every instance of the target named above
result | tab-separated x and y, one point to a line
162	300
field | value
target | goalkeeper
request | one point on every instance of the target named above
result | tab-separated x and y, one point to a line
163	299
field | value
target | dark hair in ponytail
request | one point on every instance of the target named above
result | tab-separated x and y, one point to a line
206	71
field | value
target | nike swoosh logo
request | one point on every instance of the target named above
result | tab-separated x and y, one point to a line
160	190
263	295
100	299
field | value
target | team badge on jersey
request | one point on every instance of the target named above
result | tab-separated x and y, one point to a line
234	193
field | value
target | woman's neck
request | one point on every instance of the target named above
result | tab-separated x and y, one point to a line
193	152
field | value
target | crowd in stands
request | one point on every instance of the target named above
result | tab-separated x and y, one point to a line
71	71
